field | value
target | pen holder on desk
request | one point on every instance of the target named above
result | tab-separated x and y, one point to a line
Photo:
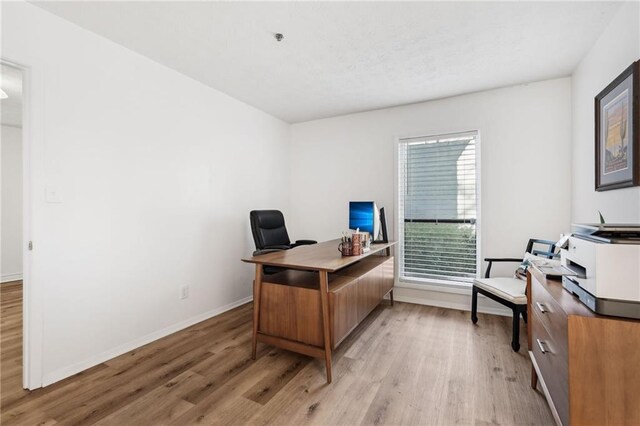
345	248
351	247
356	244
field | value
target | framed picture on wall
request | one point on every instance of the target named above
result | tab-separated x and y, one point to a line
617	132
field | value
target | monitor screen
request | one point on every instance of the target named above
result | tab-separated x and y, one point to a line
362	215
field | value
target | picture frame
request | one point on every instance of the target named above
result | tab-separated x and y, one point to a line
617	132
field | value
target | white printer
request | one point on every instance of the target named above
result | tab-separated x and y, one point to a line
606	259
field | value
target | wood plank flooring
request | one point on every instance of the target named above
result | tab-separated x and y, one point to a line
406	364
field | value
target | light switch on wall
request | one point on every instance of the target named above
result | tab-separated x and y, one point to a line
53	194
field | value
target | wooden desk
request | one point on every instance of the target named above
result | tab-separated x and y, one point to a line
587	364
312	308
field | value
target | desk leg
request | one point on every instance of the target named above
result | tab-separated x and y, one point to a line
257	287
324	300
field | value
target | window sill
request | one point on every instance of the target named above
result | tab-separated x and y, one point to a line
435	285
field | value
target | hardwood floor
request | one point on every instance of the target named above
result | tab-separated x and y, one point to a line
407	364
10	342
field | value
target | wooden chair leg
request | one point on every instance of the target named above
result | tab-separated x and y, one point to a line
515	342
391	297
474	305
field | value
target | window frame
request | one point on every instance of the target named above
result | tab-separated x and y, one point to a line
450	286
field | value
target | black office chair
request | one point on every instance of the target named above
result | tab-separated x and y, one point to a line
270	234
509	291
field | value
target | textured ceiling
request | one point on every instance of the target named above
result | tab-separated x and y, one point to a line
11	107
342	57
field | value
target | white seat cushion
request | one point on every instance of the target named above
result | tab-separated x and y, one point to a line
511	289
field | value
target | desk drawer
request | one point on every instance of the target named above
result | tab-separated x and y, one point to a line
552	317
553	366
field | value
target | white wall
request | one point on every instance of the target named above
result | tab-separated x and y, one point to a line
525	157
616	49
11	262
157	174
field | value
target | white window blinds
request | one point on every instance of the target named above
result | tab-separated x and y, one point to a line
438	207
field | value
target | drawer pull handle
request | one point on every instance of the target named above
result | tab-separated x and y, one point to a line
541	346
542	308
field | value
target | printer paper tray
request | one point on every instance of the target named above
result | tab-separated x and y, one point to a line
612	307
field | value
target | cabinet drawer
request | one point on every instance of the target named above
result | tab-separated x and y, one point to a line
553	366
552	317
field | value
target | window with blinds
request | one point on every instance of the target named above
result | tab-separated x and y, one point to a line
438	208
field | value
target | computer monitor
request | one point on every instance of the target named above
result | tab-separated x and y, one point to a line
364	215
383	229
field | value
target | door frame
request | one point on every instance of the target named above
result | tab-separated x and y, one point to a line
32	308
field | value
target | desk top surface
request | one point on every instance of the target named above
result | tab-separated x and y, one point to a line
316	257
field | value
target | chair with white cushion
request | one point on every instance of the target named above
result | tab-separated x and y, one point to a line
509	291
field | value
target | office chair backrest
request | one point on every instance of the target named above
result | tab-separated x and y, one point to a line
268	229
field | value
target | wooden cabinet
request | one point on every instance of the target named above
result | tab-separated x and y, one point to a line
290	303
343	308
587	364
291	311
374	280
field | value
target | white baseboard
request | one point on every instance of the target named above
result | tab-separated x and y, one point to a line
65	372
444	299
6	278
450	300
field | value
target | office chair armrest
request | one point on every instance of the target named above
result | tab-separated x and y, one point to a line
503	259
268	250
303	243
487	274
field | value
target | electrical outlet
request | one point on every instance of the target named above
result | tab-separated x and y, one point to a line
184	292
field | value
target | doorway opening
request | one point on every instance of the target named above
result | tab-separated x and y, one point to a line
12	241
